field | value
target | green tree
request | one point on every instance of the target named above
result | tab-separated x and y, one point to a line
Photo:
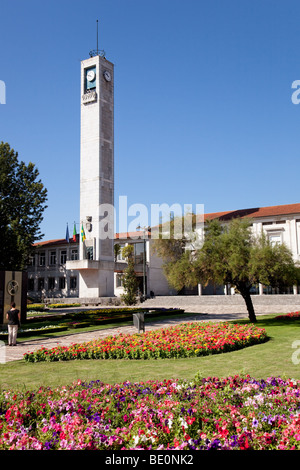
22	203
117	250
129	278
230	254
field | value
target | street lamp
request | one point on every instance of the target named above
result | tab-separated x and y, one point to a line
144	260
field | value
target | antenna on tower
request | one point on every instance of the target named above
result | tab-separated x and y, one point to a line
96	52
97	37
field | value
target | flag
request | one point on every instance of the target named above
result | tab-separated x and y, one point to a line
67	234
83	237
74	233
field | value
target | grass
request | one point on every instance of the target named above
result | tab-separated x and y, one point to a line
273	358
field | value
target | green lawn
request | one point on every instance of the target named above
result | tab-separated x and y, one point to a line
273	358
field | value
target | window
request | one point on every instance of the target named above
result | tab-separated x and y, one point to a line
89	252
51	283
41	283
74	254
42	259
63	257
120	255
73	282
119	280
139	253
31	260
275	238
62	282
31	284
52	258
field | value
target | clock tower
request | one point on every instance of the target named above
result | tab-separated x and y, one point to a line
96	258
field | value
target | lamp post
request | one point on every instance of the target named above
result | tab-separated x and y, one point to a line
144	260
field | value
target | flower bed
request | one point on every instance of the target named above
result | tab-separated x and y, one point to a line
288	316
33	331
184	340
234	413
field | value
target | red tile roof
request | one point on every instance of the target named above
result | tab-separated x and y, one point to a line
134	235
256	212
57	242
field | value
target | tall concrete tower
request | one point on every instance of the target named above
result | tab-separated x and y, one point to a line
96	263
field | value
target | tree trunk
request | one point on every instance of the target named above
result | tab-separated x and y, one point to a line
247	298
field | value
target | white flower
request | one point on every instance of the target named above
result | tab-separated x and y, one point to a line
183	422
170	421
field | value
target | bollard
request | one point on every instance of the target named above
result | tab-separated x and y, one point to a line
139	321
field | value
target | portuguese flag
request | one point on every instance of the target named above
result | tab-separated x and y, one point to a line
74	233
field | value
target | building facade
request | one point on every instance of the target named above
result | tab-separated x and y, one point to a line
48	276
47	273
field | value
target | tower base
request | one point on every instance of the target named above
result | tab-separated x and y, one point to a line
96	278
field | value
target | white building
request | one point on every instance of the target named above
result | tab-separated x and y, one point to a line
48	275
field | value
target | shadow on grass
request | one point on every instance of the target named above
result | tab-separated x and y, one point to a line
270	321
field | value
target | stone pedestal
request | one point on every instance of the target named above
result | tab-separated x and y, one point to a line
13	288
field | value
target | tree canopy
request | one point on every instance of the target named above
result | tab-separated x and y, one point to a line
231	254
22	203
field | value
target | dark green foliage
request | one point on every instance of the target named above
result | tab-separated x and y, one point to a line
22	203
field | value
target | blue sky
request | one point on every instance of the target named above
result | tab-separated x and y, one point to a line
203	110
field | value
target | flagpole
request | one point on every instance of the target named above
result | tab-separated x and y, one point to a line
67	234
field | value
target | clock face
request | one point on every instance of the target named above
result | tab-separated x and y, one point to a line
90	78
91	75
107	76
